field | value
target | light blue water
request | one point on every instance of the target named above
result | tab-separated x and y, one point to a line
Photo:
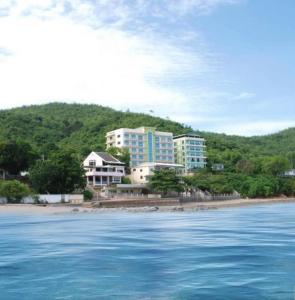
237	253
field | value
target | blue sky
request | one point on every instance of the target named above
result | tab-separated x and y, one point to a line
217	65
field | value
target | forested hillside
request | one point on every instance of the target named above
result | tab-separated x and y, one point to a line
83	127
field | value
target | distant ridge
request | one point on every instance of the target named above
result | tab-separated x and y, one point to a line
83	127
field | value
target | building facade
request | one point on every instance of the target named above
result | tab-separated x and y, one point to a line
189	150
145	144
289	173
141	173
103	169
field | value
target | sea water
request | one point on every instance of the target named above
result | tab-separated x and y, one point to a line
234	253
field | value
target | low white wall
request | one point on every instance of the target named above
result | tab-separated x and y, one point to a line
56	198
28	200
3	200
76	198
53	198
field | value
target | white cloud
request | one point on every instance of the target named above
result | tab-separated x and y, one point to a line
245	95
57	56
202	6
80	51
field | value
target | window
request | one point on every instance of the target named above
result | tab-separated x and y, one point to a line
92	163
140	156
118	135
140	144
134	170
133	136
134	143
118	143
116	179
141	177
140	137
140	150
126	135
140	170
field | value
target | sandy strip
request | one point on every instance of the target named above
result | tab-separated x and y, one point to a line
34	209
63	209
238	202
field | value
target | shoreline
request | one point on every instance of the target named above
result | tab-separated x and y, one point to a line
185	207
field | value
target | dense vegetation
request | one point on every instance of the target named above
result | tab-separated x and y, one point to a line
36	137
83	127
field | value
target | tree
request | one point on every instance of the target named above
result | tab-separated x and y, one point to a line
291	158
16	156
164	181
14	190
121	154
87	195
287	186
245	166
276	165
214	183
61	173
126	180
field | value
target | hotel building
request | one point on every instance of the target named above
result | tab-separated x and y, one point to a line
145	144
189	150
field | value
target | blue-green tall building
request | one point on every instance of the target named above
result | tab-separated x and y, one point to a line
189	150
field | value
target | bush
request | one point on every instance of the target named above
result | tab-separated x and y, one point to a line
126	180
287	186
88	195
14	190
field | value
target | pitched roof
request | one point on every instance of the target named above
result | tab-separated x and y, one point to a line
108	157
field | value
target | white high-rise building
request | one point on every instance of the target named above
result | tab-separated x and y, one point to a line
145	144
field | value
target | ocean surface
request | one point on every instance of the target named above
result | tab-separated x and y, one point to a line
234	253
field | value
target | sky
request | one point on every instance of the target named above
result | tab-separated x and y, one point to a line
225	66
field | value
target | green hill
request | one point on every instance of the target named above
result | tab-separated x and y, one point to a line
83	127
